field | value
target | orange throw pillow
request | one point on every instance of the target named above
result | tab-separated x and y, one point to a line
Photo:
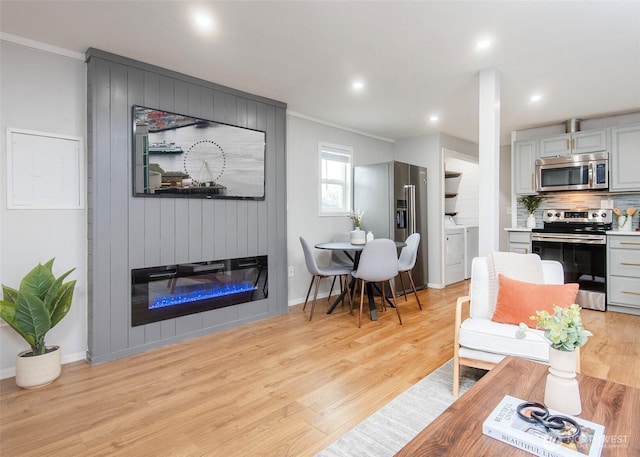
517	300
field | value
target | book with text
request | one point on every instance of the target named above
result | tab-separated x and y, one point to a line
505	425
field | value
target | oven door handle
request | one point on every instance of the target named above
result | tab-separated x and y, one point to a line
566	239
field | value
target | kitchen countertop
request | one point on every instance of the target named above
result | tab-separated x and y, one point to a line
622	232
517	229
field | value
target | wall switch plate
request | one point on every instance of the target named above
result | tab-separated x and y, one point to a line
290	271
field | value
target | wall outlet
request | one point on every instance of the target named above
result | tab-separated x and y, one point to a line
290	271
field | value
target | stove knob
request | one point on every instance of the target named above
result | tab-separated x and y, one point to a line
549	214
557	214
594	215
604	215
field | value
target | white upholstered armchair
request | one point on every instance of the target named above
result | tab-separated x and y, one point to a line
480	342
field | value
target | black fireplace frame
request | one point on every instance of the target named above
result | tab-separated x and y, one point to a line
254	269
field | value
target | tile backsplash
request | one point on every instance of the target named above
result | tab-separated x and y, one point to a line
578	200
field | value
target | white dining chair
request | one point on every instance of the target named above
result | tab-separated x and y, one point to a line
320	272
378	263
340	258
407	261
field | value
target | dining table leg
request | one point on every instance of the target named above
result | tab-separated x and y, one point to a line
369	287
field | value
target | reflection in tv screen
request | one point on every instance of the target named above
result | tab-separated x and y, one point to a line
182	156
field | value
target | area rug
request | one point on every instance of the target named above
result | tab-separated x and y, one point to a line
387	430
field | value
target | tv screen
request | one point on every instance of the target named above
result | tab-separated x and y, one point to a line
175	155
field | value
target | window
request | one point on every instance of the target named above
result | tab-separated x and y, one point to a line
335	179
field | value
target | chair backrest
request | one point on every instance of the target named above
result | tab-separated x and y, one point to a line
409	253
480	303
378	261
309	259
339	257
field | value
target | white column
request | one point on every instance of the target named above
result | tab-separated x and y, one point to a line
489	163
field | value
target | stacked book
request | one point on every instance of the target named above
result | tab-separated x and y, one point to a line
504	424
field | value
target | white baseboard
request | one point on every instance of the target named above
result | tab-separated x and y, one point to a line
66	358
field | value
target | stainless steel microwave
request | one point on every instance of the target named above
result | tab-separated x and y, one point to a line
573	172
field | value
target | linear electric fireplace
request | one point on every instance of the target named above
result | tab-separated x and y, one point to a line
170	291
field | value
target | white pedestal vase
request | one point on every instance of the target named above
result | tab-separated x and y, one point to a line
358	236
562	391
39	370
531	221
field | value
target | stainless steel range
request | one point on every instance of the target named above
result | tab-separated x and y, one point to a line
577	239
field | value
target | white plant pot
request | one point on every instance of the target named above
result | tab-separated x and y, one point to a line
562	391
531	221
358	236
39	370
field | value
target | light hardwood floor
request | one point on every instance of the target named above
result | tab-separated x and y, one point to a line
281	387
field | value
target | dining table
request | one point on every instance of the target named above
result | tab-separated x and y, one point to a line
353	252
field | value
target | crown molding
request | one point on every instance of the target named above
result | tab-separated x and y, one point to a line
15	39
338	126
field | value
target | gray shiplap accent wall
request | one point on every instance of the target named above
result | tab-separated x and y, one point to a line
126	232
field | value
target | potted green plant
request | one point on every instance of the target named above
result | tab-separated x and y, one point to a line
39	303
531	203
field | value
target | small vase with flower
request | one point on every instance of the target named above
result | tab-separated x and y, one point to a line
564	331
357	235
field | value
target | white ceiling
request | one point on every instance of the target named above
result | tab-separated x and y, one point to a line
415	58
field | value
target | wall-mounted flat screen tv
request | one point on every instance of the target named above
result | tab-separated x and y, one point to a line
175	155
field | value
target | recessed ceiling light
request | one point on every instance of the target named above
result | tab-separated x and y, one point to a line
203	21
483	44
535	98
357	85
434	118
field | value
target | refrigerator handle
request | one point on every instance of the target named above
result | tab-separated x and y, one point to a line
410	196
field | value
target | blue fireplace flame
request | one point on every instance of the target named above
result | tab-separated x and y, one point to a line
179	298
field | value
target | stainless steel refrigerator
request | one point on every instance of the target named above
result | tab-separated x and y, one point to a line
393	196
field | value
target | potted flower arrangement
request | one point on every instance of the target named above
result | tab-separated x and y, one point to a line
40	302
564	331
531	203
356	216
357	236
624	218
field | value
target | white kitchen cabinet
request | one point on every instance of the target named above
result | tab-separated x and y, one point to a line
471	248
574	143
623	273
624	159
524	167
519	241
454	255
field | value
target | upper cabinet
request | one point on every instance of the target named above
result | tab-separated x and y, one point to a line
574	143
624	159
524	167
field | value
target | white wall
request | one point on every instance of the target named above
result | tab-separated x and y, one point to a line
42	91
303	136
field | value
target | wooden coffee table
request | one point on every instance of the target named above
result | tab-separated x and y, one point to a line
458	430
